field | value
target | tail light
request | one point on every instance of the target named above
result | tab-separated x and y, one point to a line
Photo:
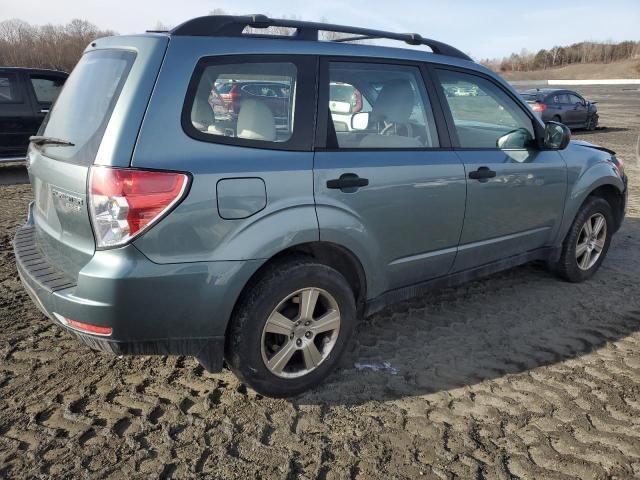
538	107
234	97
124	202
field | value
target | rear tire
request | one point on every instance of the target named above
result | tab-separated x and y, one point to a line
291	327
587	242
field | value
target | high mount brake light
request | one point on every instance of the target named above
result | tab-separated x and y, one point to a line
124	202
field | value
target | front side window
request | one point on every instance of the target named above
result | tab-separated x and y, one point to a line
46	89
575	99
8	89
380	106
483	114
249	101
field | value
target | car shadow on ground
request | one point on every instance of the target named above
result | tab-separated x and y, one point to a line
509	323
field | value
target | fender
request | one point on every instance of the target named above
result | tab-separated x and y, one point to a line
581	184
179	238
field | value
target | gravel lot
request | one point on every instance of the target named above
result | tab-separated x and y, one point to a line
515	376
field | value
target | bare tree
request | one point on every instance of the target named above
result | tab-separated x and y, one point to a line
48	46
583	52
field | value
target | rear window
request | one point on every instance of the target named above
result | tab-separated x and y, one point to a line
82	111
46	88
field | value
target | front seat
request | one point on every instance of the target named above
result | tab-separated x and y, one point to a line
392	109
255	121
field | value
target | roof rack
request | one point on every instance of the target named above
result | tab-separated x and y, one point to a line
234	25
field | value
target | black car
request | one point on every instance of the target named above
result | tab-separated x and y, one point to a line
564	106
26	95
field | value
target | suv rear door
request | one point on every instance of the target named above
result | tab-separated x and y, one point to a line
392	193
515	191
15	115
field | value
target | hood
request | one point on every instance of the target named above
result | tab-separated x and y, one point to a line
582	143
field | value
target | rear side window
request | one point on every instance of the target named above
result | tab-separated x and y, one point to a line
82	111
46	89
380	106
8	89
483	114
253	102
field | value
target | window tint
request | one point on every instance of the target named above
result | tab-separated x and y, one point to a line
46	89
483	114
380	106
563	98
251	101
8	89
83	109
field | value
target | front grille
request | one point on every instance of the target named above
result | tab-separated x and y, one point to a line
35	263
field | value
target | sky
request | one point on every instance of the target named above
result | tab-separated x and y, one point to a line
482	28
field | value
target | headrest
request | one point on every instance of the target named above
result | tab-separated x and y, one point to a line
255	121
395	102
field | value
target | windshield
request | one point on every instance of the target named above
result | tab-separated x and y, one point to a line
82	111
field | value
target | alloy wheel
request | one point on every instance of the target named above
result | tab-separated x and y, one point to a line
300	332
591	241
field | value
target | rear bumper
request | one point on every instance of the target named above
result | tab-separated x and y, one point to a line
152	309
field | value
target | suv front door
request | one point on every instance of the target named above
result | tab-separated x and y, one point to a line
515	191
577	112
387	187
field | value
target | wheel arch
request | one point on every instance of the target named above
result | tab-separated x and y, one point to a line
599	181
614	197
331	254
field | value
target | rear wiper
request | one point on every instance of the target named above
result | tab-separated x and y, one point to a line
40	140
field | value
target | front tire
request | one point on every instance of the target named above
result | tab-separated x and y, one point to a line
587	241
291	328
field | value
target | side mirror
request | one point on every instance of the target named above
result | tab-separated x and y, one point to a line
360	121
518	138
556	136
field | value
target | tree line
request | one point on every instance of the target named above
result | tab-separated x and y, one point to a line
60	46
57	47
583	52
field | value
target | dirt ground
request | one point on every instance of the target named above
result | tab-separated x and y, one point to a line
515	376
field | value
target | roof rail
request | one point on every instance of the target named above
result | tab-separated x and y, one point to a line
233	26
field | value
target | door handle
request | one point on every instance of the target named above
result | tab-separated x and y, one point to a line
482	174
44	110
348	181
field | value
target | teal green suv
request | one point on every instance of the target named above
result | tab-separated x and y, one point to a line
206	192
